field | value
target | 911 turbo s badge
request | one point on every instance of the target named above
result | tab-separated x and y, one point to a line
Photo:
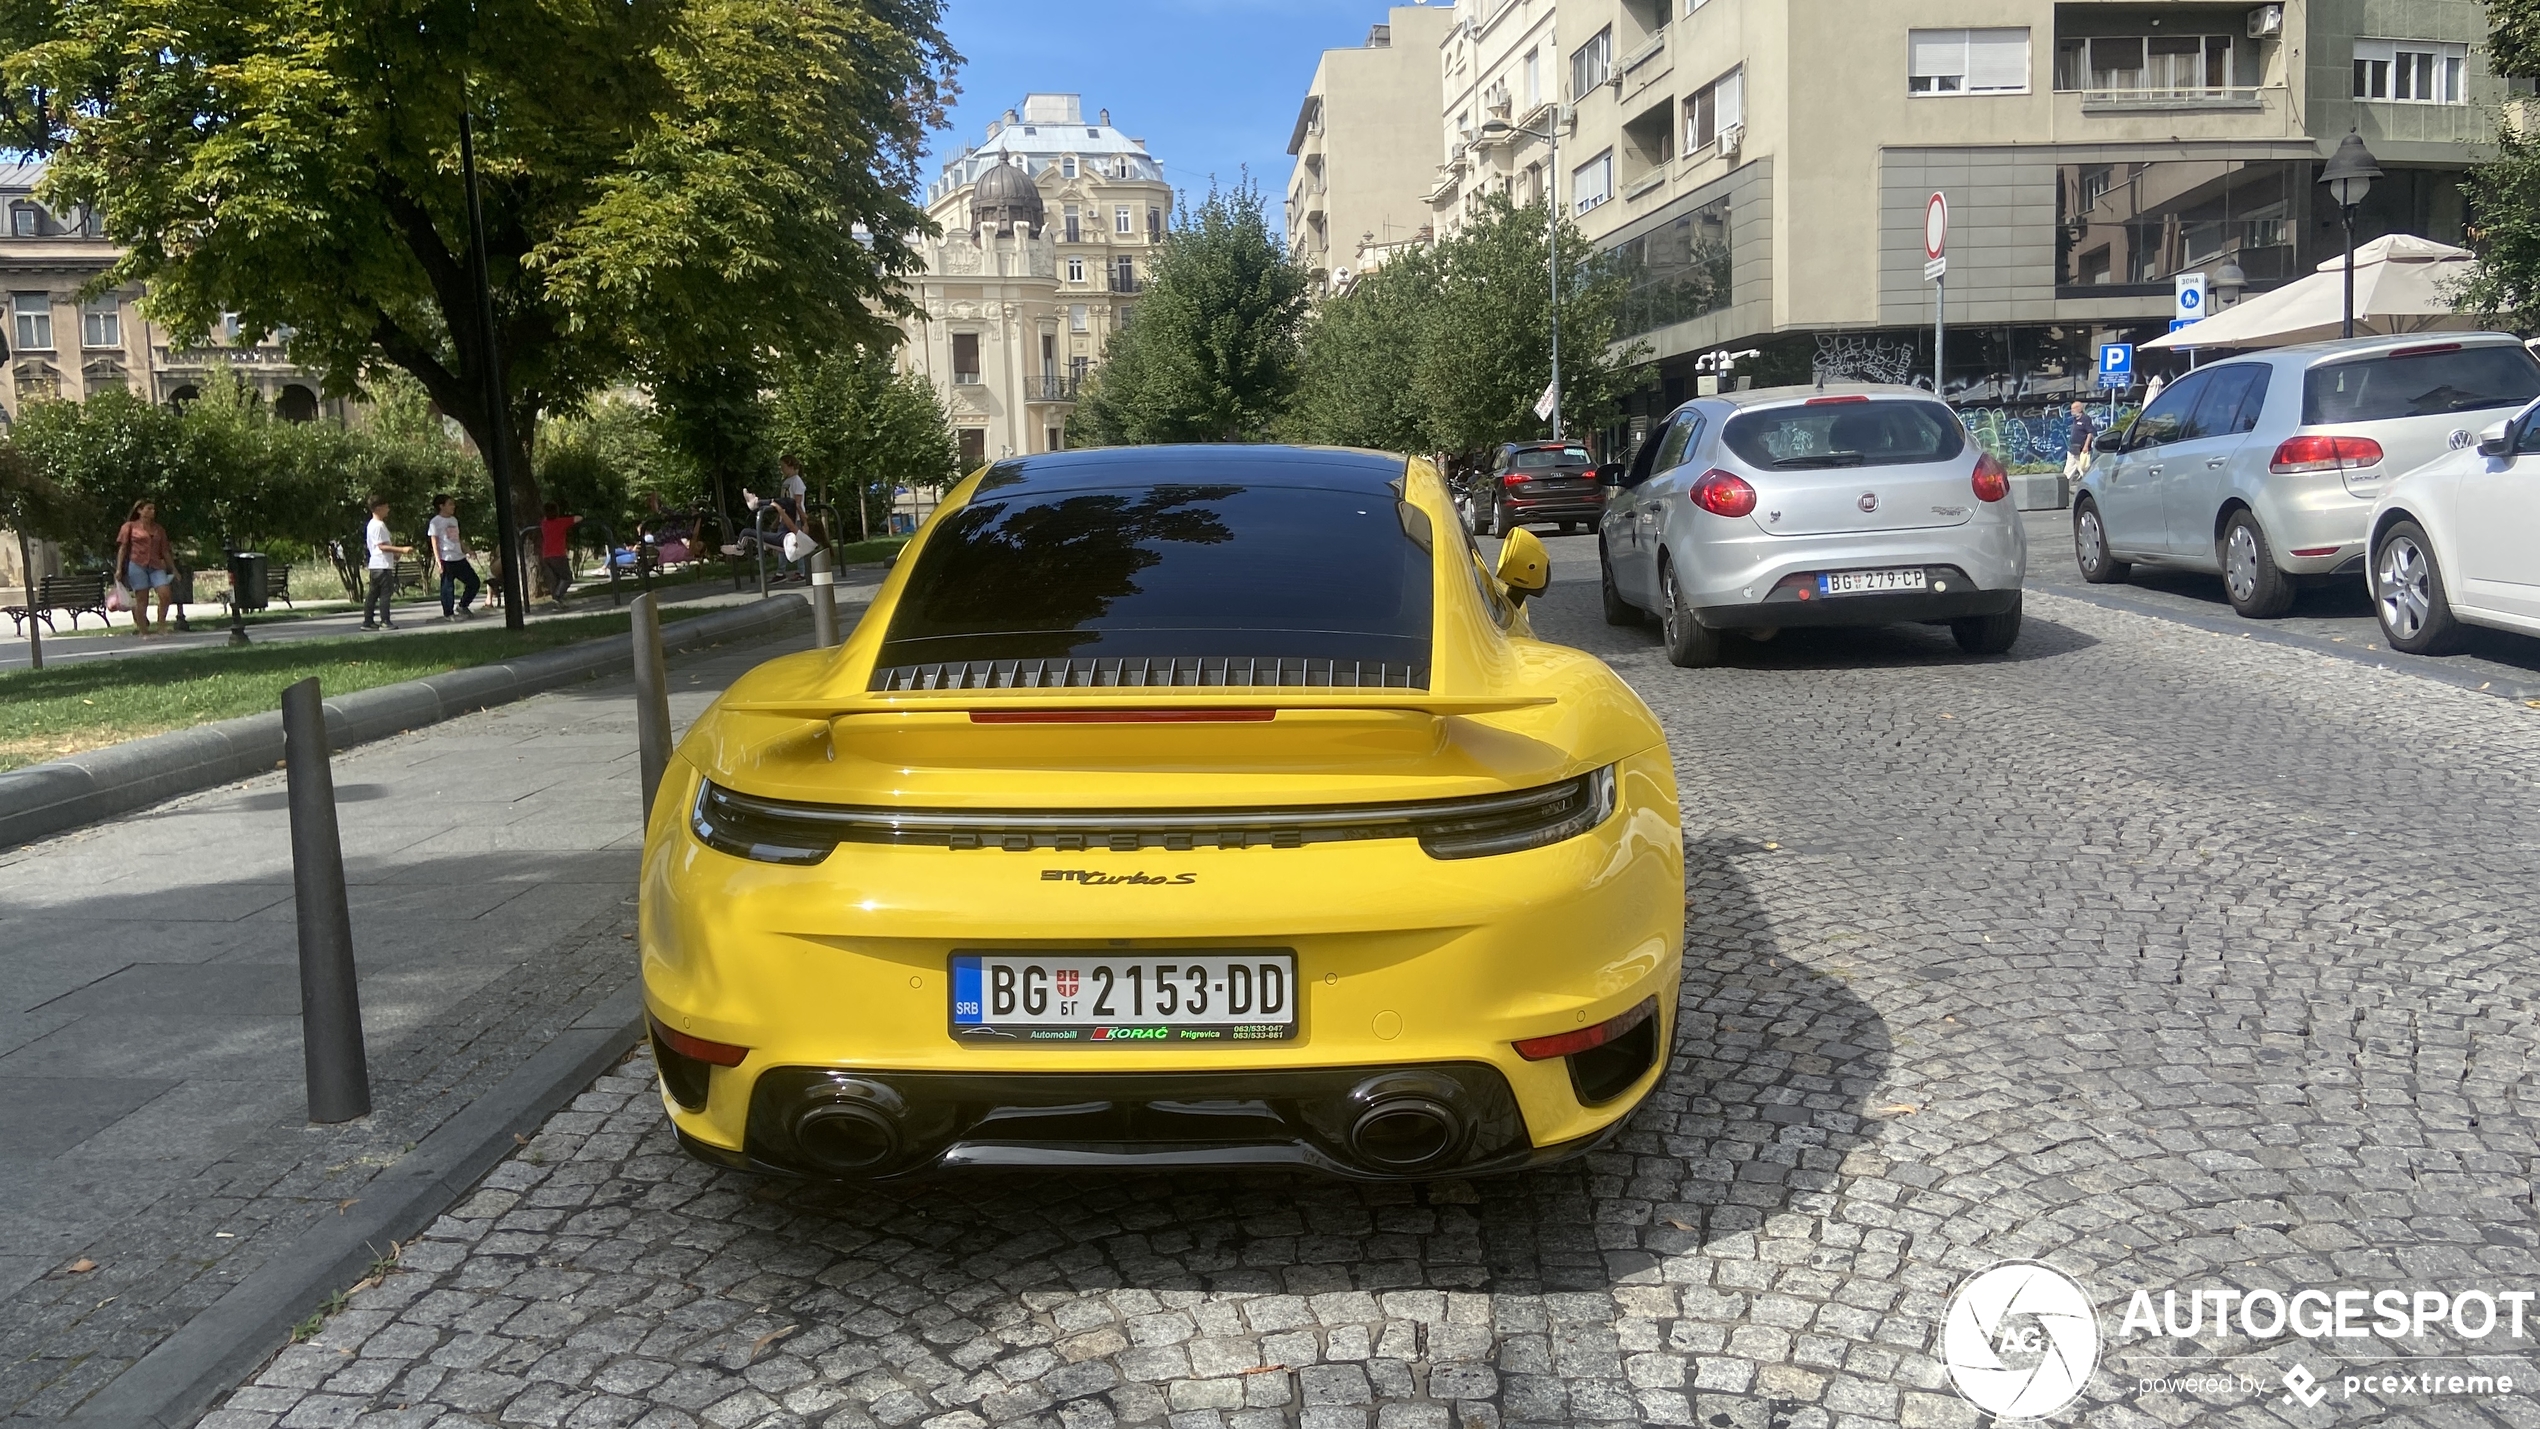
1091	876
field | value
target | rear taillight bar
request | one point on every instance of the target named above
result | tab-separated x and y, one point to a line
1221	716
1991	482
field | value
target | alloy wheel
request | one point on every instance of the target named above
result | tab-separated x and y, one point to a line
2406	597
1667	616
2240	562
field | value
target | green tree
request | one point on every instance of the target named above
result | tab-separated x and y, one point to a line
861	428
2504	192
1448	348
1212	354
715	416
690	180
1359	363
609	463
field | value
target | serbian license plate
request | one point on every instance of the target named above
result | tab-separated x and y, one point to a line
1867	582
1161	999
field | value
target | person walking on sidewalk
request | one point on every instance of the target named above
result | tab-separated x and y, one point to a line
144	563
2077	444
451	552
555	551
383	567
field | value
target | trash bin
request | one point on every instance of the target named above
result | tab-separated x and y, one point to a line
246	580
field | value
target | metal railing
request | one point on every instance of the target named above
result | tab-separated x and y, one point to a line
2229	96
1054	388
1118	282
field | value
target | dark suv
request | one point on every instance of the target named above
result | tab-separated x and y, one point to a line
1532	483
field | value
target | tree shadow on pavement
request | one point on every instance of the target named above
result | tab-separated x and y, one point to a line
1762	1098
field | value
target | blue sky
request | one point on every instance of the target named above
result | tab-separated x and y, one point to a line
1211	85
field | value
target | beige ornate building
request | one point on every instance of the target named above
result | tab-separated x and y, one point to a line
1048	226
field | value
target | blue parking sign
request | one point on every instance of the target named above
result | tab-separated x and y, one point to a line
2116	359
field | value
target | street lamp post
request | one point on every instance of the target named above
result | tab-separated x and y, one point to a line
1550	134
2349	172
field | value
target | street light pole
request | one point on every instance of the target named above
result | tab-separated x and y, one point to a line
2348	174
1500	129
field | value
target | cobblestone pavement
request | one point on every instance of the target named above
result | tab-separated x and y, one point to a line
2172	960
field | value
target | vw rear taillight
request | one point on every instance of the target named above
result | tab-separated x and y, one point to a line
1992	482
1723	493
1513	479
2323	453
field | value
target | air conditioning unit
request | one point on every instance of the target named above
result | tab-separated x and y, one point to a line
2266	22
1731	139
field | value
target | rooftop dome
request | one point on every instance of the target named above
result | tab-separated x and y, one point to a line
1006	196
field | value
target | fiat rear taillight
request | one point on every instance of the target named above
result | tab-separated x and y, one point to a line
1991	482
1723	493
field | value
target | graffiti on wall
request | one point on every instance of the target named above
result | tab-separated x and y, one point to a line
1858	357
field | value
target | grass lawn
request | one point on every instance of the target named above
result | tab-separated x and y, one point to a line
45	714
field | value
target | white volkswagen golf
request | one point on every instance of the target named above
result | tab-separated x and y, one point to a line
2457	541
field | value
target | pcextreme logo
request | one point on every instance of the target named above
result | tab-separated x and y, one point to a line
1091	877
2020	1340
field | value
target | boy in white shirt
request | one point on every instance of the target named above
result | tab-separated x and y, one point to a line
442	534
383	566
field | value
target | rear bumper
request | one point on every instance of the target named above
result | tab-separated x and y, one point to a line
840	970
1553	508
1787	609
1297	1119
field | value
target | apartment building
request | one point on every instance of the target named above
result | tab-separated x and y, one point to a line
1759	168
60	342
1048	227
1362	147
1499	60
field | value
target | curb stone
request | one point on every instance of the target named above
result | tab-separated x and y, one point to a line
173	1384
61	794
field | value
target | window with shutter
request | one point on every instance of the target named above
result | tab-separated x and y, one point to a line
1988	61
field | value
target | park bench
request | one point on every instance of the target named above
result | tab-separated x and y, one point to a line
75	595
414	573
277	586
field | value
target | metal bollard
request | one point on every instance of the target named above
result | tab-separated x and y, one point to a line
824	600
330	992
652	699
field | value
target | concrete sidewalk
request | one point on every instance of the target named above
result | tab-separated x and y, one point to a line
151	1106
211	623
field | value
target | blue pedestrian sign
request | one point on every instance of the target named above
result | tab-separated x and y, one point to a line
2116	364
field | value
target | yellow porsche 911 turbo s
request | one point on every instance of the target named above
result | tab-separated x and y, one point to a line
1170	807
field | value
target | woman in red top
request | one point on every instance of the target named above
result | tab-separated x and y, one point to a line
144	563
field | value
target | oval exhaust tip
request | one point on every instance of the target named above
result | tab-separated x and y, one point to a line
1405	1133
847	1138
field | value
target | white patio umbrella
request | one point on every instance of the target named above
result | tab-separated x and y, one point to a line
2401	283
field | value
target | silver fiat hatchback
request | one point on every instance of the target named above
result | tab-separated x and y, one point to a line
1752	512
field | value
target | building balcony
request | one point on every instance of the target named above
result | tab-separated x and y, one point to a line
1119	282
965	379
2121	101
1054	387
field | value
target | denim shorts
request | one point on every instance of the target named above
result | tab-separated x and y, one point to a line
144	578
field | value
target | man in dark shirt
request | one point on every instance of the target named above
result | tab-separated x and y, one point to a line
2077	444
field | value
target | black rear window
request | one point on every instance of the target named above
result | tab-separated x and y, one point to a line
1822	434
2421	384
1548	458
1267	572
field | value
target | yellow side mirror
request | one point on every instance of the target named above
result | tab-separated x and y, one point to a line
1525	568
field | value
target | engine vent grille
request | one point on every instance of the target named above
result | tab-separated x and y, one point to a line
1266	672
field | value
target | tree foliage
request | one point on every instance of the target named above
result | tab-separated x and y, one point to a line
608	463
1448	348
860	428
2513	36
666	183
1212	354
226	472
